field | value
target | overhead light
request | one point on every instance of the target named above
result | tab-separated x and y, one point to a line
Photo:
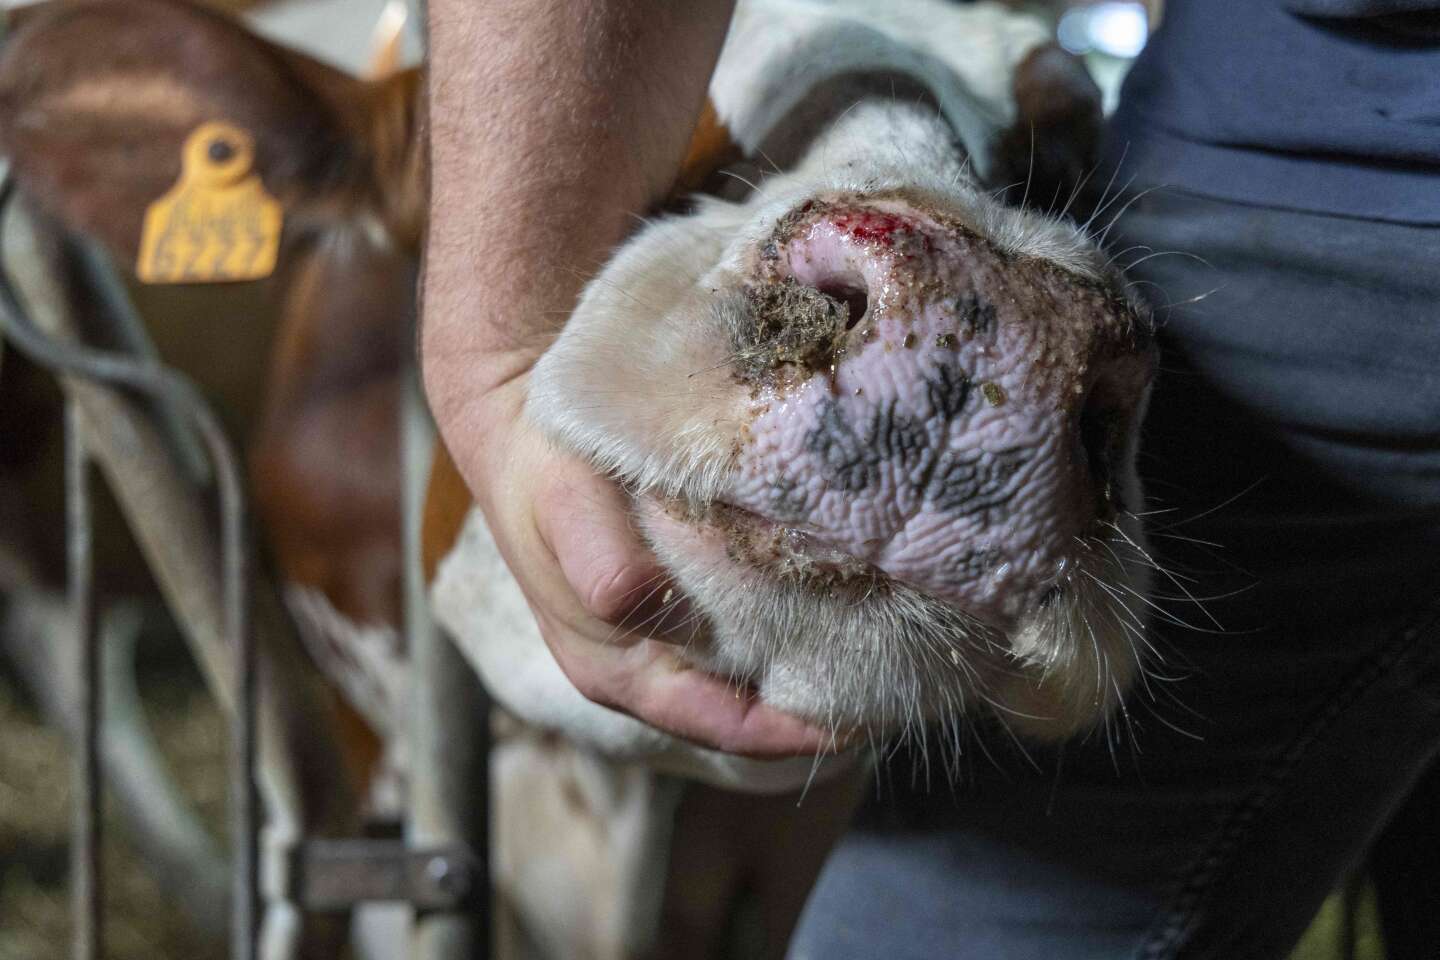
1114	29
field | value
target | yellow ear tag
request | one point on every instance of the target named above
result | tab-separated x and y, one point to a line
217	223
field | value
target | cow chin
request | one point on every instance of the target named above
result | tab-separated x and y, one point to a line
832	639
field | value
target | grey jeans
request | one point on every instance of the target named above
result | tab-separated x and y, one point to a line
1292	456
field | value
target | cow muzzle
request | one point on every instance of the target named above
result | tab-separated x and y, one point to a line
924	408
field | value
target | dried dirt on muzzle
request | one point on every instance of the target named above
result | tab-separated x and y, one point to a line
792	330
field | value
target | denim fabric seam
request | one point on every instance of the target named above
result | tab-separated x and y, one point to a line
1191	888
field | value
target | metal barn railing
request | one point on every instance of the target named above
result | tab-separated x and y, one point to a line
291	880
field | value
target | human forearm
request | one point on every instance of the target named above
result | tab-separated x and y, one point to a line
552	122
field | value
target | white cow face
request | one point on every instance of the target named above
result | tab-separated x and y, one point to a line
881	430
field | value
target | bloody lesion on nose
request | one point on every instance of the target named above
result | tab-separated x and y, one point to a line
879	228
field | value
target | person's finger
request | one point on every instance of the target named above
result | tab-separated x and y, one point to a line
598	594
584	521
707	710
649	682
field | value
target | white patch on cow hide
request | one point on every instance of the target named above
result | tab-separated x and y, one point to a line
365	661
779	51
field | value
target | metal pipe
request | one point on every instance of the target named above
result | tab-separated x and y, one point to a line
244	944
86	880
449	734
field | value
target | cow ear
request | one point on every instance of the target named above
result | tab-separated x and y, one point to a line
1043	158
97	99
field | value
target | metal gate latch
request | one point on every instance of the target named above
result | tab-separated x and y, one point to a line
337	874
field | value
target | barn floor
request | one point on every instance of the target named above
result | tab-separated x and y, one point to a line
142	920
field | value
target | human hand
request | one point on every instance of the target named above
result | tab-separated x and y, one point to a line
603	605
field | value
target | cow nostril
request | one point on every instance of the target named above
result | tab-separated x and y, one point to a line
1103	435
849	291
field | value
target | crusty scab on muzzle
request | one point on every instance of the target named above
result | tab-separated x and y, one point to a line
786	324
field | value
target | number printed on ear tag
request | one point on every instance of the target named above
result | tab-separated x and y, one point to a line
217	223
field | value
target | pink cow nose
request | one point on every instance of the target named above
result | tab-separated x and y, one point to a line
947	413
